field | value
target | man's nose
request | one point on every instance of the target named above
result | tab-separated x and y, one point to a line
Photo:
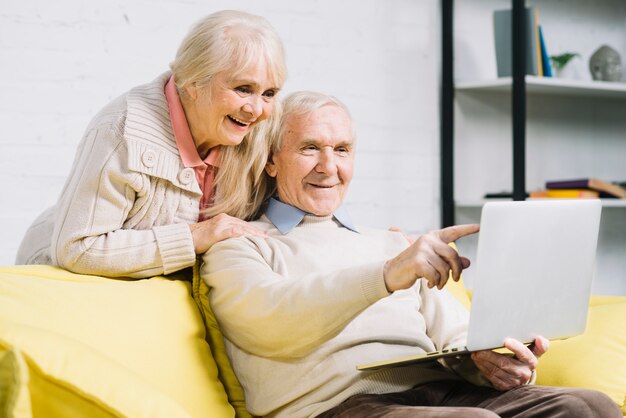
327	163
253	106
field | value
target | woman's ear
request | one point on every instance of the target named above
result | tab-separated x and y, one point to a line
192	91
270	167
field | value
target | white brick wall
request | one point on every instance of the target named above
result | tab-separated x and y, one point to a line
63	60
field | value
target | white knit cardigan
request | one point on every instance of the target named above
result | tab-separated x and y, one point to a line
126	206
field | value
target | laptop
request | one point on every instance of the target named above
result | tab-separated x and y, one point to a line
534	266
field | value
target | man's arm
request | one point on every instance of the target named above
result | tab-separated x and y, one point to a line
274	315
429	257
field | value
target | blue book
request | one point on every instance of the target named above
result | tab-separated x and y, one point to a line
545	59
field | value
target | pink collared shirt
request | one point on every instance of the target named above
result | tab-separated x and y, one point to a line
205	169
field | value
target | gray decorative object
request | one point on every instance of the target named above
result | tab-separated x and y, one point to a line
605	64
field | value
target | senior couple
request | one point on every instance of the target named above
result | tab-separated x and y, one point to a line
181	166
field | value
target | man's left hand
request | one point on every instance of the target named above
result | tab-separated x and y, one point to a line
507	372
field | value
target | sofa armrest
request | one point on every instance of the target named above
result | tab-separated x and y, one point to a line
149	329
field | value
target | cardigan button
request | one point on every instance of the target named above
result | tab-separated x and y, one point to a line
186	175
148	158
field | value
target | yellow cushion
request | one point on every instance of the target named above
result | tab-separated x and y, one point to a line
606	300
595	360
458	291
62	378
147	332
458	288
216	342
14	396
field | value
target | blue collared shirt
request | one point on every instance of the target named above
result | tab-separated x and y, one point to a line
286	217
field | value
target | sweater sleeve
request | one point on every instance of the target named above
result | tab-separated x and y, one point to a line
446	324
273	315
446	319
89	235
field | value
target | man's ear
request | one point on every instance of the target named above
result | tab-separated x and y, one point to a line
270	167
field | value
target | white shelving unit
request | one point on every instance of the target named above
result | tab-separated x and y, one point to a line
550	86
575	128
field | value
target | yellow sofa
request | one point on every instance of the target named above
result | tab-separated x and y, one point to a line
85	346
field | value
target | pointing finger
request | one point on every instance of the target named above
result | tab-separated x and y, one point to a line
452	233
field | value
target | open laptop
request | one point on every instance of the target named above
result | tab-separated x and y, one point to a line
534	266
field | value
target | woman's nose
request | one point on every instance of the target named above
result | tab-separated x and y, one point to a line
253	106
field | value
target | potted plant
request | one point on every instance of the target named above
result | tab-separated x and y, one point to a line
559	62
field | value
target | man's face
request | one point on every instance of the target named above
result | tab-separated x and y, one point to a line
314	166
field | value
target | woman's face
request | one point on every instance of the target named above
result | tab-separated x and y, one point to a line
223	112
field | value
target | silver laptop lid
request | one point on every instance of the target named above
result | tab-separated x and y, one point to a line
534	266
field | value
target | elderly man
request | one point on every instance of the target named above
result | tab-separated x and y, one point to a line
302	307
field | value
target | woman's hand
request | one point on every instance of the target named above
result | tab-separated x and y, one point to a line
506	372
410	239
429	257
219	228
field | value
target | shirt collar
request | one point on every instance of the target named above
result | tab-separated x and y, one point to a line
182	133
286	217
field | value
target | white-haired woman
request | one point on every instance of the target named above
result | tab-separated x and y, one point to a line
173	166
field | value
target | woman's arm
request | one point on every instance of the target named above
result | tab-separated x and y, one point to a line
91	235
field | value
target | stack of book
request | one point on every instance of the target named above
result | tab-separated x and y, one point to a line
581	188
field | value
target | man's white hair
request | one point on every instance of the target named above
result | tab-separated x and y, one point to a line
301	103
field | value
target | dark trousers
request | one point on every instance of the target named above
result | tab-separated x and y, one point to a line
454	399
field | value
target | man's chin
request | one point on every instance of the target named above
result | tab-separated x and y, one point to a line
323	210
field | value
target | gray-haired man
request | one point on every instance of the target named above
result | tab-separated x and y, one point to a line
302	307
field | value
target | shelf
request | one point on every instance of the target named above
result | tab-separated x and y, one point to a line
548	85
608	203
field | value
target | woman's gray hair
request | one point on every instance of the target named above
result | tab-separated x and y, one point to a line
234	42
301	103
228	40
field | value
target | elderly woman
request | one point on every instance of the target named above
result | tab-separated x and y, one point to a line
173	166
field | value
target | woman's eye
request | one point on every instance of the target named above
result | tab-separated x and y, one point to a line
243	89
269	93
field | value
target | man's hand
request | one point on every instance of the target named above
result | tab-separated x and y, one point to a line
429	257
219	228
506	372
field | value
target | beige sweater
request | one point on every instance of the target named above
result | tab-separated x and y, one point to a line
126	206
300	311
